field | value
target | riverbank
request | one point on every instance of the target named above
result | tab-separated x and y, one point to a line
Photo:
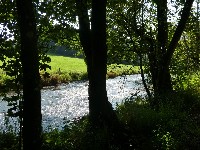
59	76
67	69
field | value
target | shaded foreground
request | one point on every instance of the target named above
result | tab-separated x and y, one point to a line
175	125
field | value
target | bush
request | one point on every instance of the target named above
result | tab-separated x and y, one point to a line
8	141
175	125
70	138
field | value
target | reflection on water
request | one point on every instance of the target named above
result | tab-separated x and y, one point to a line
70	101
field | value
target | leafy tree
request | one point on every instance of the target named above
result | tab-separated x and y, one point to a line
144	29
185	62
165	52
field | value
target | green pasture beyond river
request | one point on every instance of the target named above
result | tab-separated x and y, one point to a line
65	69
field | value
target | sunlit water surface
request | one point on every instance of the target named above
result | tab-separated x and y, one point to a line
69	101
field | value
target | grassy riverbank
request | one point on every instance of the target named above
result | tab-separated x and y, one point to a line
67	69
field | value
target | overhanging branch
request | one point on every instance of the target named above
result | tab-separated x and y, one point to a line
179	30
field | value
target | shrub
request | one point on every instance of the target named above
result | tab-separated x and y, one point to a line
8	141
174	125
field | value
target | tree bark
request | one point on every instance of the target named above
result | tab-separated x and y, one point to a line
143	77
163	81
84	29
164	52
99	104
31	79
95	49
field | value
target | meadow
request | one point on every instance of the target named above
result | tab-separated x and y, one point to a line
66	69
66	64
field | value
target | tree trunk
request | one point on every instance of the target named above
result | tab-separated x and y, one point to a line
143	77
84	30
98	93
162	56
101	110
94	47
31	79
163	82
179	30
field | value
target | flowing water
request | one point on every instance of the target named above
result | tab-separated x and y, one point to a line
68	101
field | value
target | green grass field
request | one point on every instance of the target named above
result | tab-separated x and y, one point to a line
66	64
66	69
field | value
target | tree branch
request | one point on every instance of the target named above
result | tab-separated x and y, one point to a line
179	30
84	27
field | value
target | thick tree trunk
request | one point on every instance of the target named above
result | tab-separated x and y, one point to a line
164	84
98	93
94	47
31	78
160	58
101	110
163	81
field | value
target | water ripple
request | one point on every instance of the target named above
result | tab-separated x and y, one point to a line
69	101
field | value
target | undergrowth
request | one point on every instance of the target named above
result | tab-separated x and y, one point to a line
175	125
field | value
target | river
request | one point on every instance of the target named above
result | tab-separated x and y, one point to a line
68	101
